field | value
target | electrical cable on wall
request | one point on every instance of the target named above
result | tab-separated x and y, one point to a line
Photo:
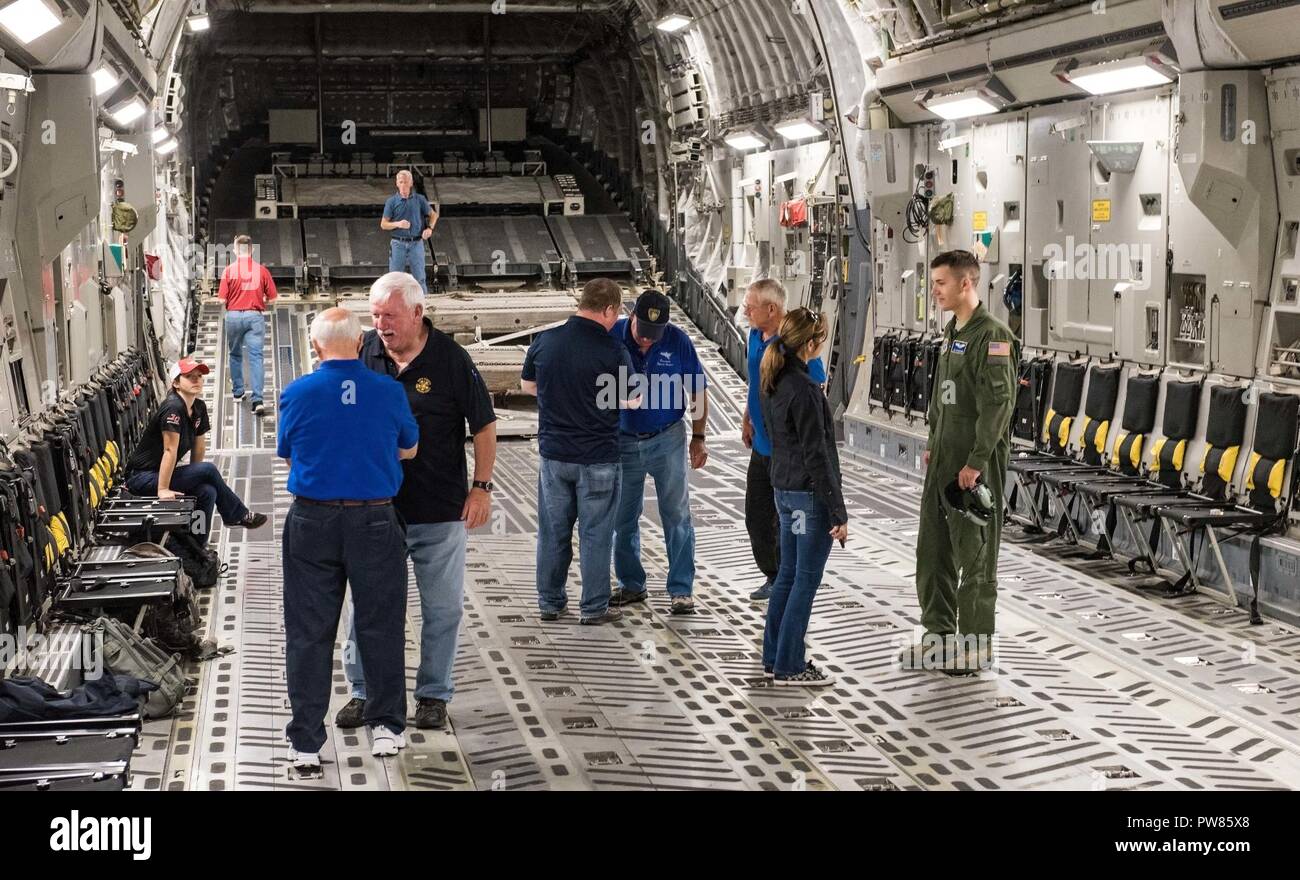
916	216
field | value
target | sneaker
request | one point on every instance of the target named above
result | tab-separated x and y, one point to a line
239	398
620	596
253	520
304	762
683	605
610	615
763	593
768	672
351	715
384	743
810	677
258	409
430	714
552	615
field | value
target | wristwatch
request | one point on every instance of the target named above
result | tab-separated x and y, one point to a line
485	485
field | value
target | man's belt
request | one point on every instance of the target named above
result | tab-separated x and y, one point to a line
649	435
345	502
400	238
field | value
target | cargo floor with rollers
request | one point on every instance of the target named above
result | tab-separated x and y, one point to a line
1098	685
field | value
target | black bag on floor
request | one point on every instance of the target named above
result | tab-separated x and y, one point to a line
176	625
201	564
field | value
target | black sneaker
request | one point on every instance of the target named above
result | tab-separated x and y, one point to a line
552	615
430	714
253	520
351	715
258	409
763	593
768	672
619	596
610	615
810	677
683	605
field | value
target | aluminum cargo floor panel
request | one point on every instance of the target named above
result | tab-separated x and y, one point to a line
1097	685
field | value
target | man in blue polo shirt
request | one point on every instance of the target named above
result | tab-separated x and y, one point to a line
764	306
344	430
574	370
652	440
410	219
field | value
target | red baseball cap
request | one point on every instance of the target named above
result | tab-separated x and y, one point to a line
183	366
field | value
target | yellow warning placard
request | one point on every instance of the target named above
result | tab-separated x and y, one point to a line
1101	210
980	221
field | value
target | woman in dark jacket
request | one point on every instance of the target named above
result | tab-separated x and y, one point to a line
806	477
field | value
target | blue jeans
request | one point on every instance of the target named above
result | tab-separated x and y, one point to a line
325	549
438	551
805	547
246	328
402	253
205	483
664	458
588	495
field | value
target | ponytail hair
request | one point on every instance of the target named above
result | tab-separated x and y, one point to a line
798	328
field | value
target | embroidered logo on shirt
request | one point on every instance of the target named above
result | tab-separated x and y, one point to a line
959	347
173	419
1000	349
423	386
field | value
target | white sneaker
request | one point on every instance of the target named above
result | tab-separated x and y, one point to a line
304	761
384	743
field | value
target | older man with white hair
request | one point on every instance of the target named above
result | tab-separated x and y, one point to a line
437	500
410	218
344	430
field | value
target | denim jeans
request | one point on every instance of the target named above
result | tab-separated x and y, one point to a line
408	256
438	552
246	328
205	483
326	549
805	547
588	495
664	458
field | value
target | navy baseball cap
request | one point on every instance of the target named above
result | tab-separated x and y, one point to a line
651	314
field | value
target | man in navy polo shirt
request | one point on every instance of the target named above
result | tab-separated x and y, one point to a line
410	218
652	440
344	430
764	306
574	370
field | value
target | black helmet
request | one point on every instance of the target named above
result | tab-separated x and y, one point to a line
977	504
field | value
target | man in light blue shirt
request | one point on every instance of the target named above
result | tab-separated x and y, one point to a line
410	219
764	306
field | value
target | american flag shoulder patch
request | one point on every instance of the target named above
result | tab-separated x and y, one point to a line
1000	349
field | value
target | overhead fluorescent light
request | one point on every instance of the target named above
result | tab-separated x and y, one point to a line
29	19
105	79
979	99
671	24
1120	75
799	130
198	23
161	134
166	147
745	140
125	114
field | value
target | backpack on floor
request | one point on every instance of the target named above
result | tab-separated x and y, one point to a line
176	625
124	652
201	564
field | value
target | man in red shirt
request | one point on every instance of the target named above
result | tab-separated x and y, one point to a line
246	288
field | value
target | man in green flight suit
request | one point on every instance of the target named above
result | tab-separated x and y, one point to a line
970	442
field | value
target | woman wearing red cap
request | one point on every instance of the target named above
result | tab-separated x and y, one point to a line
180	428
